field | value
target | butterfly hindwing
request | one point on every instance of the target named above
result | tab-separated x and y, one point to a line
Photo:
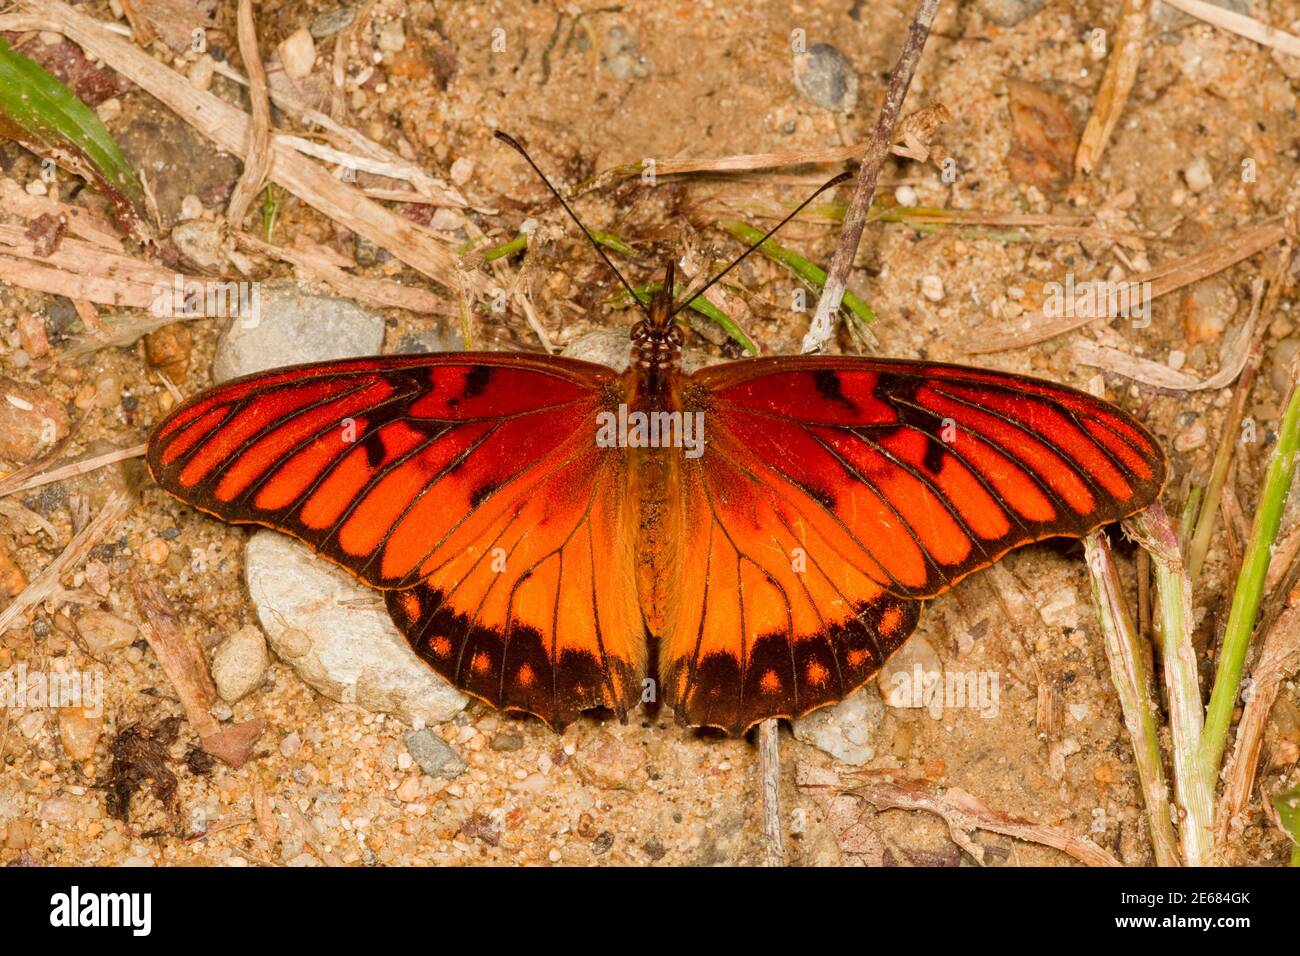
466	486
835	493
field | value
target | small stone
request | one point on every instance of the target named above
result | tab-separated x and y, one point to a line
32	421
328	24
1168	17
61	811
392	37
1007	13
932	288
239	664
825	78
506	743
109	110
104	632
12	579
409	790
1177	359
847	731
353	652
200	242
622	56
905	196
191	208
1198	175
909	677
1060	608
461	170
31	724
611	764
155	551
290	745
298	53
1207	309
434	755
287	326
79	732
1191	438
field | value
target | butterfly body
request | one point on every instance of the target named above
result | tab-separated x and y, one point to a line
750	541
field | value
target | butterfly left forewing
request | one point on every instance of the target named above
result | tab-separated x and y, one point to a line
466	486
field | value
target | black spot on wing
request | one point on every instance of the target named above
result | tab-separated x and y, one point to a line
934	454
374	446
476	382
827	383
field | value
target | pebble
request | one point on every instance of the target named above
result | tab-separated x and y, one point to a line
392	36
611	764
915	661
79	732
199	241
905	196
1060	608
1206	310
328	24
60	811
932	288
239	664
201	72
290	744
1198	175
434	755
298	53
506	743
1007	13
31	724
1191	438
352	654
409	789
1168	17
104	632
293	326
461	170
622	56
155	551
848	730
32	422
825	78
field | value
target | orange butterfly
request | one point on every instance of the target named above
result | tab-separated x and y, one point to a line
750	541
756	537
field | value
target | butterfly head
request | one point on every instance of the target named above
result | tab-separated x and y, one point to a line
656	340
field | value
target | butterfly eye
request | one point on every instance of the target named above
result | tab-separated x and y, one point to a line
639	332
675	335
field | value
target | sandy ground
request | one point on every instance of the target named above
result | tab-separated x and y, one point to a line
588	87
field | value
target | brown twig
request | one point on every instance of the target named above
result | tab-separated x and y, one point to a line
963	813
1121	71
257	158
22	482
855	219
1240	24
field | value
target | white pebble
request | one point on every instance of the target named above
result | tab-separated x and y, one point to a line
905	196
932	288
298	53
1198	175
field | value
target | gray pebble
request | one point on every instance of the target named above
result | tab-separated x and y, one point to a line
825	78
1166	16
1007	13
507	742
328	24
434	756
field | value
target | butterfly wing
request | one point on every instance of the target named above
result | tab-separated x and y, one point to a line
468	487
834	493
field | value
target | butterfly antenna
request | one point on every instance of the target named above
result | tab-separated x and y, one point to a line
514	144
741	258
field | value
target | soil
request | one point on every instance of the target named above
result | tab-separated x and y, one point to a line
587	87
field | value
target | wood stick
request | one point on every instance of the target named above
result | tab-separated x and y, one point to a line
828	305
1121	71
257	160
769	764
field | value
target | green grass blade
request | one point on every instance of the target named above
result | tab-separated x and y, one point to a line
40	113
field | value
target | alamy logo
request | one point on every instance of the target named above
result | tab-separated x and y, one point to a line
192	299
1098	298
626	429
21	689
75	908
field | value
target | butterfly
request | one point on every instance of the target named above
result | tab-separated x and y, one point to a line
750	541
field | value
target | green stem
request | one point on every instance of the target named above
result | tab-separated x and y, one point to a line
705	308
810	272
1250	589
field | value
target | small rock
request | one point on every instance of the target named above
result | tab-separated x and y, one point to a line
32	422
905	196
328	24
1007	13
290	745
12	579
1043	137
932	288
461	170
239	664
353	654
847	731
910	678
434	755
611	764
622	56
1169	17
1198	175
825	78
79	732
392	36
31	724
201	72
289	326
1207	309
155	551
200	242
409	789
60	811
1191	438
1283	354
507	743
1060	608
104	632
298	54
168	349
